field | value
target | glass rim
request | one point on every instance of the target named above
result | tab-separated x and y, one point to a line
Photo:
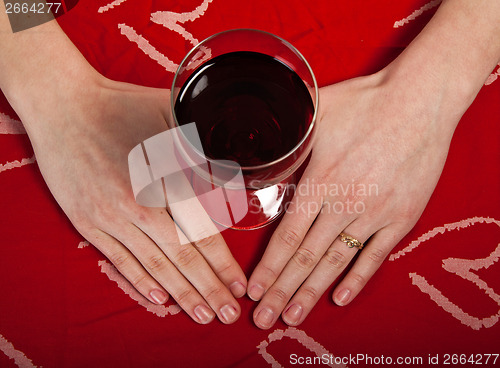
290	46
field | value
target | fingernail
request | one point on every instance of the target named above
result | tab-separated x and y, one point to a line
342	297
237	289
265	318
204	314
158	296
292	314
256	292
229	314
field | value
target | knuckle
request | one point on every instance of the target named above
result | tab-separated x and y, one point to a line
102	213
186	256
270	271
377	255
141	214
119	259
409	210
310	292
304	258
129	205
206	242
170	241
183	296
138	279
279	294
288	238
156	262
145	216
213	293
81	222
223	268
358	279
335	259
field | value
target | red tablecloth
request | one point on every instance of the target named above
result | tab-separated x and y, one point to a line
437	296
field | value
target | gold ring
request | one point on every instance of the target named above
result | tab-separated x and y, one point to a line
350	241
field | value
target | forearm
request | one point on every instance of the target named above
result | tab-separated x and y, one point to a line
454	54
38	65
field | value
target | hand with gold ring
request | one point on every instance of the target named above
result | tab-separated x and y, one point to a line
350	241
370	193
381	144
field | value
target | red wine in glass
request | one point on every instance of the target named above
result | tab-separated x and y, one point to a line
253	98
248	107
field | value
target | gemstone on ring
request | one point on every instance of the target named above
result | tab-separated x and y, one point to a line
350	241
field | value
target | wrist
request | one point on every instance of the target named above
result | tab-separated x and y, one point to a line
436	83
38	92
421	101
446	65
39	68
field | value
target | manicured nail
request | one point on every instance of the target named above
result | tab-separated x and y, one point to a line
237	289
265	318
158	296
292	314
342	297
204	314
256	292
229	314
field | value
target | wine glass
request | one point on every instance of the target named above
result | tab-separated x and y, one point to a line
253	100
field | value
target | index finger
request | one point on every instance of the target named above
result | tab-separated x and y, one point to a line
195	226
286	239
158	176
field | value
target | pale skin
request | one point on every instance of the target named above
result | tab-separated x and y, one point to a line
82	127
392	129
